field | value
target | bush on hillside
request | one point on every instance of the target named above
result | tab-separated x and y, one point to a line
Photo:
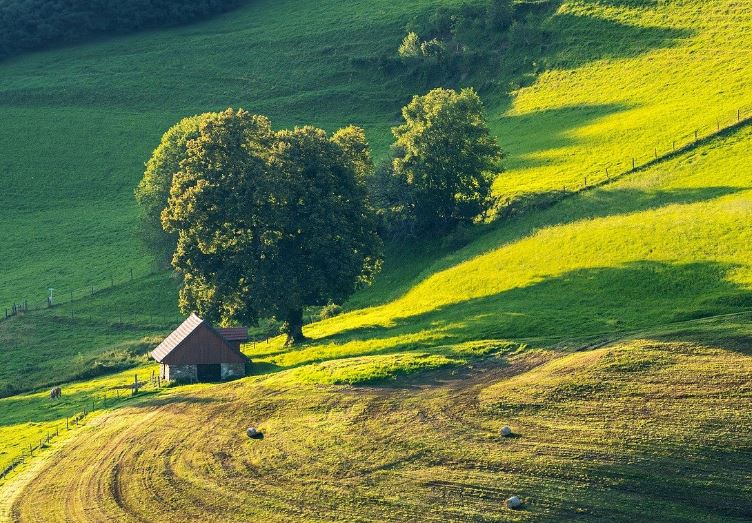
446	45
35	24
330	310
410	47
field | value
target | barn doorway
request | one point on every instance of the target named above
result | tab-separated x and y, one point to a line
209	372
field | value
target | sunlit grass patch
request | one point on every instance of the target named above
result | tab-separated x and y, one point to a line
371	369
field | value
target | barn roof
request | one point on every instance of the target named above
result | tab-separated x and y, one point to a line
196	342
234	333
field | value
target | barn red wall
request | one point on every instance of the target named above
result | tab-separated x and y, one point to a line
203	346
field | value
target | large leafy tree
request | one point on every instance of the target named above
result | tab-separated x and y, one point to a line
269	222
154	189
446	156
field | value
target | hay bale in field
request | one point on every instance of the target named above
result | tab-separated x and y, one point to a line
514	502
253	433
505	431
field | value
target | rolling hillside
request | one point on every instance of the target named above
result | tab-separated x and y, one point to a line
609	328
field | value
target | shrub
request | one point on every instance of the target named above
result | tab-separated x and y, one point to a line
330	311
445	155
434	49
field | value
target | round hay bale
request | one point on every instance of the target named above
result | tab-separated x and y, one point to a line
506	431
514	502
252	432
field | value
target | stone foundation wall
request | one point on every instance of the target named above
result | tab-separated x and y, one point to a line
180	372
233	370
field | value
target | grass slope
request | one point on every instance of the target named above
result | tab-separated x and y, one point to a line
665	245
657	263
596	427
643	428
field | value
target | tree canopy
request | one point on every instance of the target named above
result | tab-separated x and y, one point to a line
154	189
269	222
445	156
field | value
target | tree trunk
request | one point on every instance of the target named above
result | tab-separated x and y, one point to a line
295	328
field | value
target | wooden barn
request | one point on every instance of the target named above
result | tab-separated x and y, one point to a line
196	351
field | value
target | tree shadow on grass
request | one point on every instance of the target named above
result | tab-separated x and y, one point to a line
578	40
423	259
581	306
559	124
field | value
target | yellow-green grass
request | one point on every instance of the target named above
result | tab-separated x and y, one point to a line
648	256
650	429
30	418
626	78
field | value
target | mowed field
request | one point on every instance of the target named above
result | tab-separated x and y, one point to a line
646	430
611	330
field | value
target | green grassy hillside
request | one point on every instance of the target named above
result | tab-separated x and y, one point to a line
614	81
643	424
610	329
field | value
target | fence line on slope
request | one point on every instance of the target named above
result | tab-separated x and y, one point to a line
629	165
60	296
152	383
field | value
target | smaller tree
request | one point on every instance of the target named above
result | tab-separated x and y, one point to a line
445	155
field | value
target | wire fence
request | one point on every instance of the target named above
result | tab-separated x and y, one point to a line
60	295
97	401
667	149
612	171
